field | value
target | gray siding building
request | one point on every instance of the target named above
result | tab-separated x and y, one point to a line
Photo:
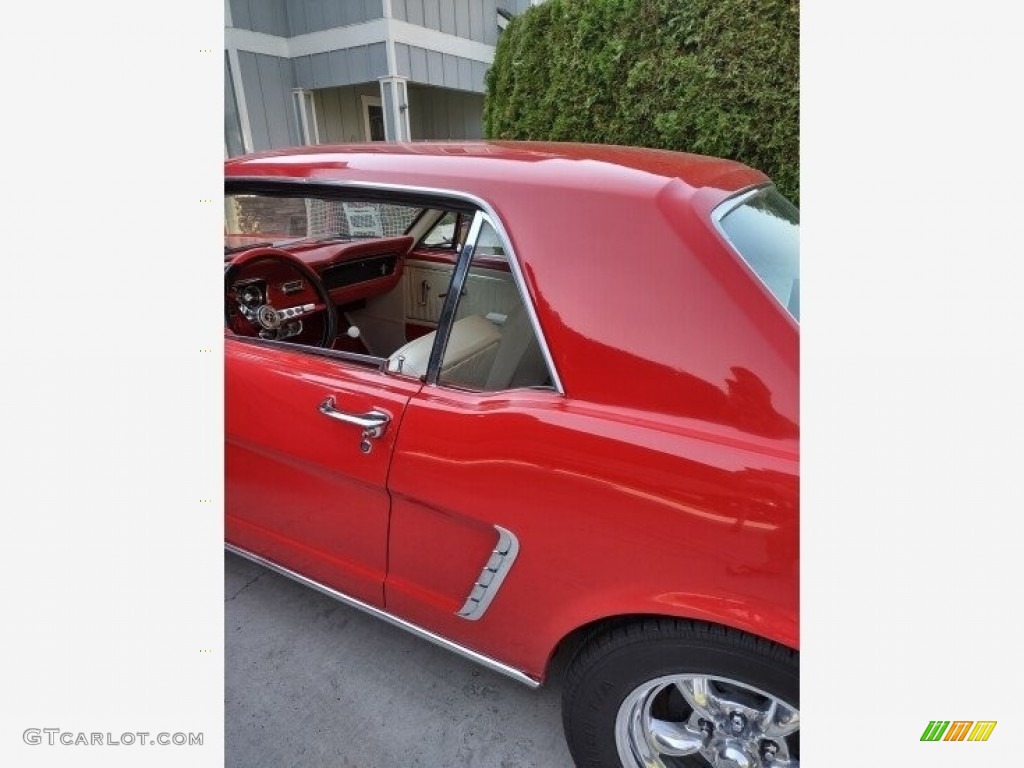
325	71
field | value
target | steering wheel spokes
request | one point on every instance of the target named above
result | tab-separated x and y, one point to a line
279	324
252	298
299	311
271	319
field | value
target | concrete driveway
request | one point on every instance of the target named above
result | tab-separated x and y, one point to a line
311	682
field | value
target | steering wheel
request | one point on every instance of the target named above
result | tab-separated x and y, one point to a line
270	300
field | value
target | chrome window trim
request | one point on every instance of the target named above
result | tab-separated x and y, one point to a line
730	203
726	207
486	661
451	301
465	197
380	363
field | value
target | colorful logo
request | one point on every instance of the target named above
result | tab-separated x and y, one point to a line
958	730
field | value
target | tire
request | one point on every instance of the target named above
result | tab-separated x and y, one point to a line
681	694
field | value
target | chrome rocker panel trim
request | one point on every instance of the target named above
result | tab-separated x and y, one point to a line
352	602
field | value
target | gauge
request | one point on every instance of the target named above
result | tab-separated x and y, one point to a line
249	295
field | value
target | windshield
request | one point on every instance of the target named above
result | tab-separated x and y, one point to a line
252	220
764	228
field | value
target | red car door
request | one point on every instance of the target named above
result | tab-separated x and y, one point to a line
308	441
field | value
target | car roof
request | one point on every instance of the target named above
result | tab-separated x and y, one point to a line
641	302
544	164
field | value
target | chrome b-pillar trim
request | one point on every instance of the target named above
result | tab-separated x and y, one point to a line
493	573
479	658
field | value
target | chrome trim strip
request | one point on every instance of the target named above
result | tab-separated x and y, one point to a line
480	203
730	203
352	602
451	302
491	576
380	363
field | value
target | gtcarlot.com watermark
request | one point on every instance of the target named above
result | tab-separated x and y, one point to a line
57	736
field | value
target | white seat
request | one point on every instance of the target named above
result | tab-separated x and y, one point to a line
468	358
519	361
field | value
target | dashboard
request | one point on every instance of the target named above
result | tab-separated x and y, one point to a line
272	298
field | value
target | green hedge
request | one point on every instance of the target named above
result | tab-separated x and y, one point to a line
716	77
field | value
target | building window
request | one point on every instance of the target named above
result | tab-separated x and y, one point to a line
373	119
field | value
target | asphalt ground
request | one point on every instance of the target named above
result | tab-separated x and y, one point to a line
310	682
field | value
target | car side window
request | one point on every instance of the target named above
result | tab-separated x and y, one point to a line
446	233
492	345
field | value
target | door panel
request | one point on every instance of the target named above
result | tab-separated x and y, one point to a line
424	285
300	489
464	463
438	555
487	290
584	490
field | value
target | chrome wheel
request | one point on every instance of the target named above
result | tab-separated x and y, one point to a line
727	723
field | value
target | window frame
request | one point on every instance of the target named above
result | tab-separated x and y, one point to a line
451	302
366	101
424	197
455	245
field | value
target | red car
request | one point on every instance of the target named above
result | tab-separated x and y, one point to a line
524	399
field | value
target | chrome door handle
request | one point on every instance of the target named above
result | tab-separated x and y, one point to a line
373	423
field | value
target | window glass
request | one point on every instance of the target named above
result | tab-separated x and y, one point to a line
443	234
273	220
765	230
492	345
489	243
